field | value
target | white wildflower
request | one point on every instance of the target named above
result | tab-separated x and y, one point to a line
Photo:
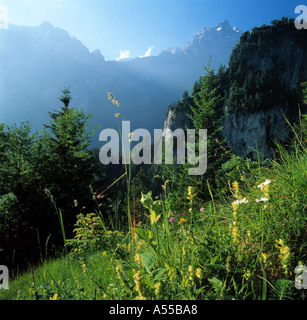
262	200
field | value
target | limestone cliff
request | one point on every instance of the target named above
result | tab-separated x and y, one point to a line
280	52
261	86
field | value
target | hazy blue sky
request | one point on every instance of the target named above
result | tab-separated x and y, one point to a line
139	27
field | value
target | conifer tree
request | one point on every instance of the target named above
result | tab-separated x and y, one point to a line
208	113
67	164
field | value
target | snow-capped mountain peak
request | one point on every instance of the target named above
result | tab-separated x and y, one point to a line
207	36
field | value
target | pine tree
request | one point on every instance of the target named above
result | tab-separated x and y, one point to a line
67	164
208	113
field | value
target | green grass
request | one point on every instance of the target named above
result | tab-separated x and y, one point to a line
235	247
66	277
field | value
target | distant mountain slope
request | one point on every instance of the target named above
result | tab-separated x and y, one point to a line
37	62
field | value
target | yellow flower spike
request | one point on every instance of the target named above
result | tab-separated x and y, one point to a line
157	288
235	185
117	115
137	258
280	242
55	297
285	254
198	273
263	257
247	274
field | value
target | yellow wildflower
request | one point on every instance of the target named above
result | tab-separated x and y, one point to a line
235	233
285	254
55	297
118	270
137	258
280	242
235	186
137	280
263	257
247	274
117	115
190	273
157	288
198	273
265	188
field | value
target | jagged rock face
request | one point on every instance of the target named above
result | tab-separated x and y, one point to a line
247	131
176	120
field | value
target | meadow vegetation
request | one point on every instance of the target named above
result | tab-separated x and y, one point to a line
245	246
243	242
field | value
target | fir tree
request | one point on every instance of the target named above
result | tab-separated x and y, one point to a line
207	113
68	165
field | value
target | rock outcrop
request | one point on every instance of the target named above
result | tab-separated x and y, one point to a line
274	60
